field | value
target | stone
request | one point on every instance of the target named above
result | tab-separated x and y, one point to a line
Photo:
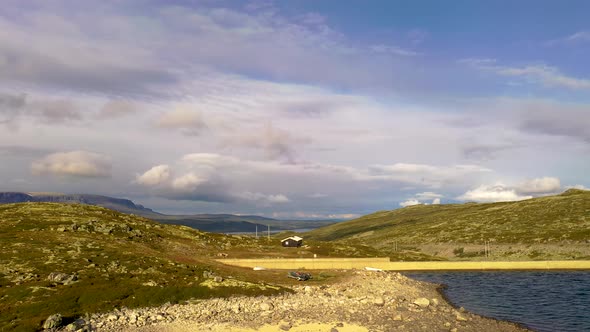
460	317
333	329
112	317
52	321
454	329
422	302
62	278
265	306
398	317
379	301
447	324
434	302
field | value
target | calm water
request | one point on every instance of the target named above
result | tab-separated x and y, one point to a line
542	301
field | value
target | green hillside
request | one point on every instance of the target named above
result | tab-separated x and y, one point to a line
75	259
562	219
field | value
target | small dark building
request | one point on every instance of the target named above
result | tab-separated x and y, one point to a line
292	241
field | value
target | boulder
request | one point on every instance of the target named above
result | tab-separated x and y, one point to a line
52	322
62	278
460	317
266	306
379	301
422	302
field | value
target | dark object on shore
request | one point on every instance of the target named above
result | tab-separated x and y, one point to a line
300	276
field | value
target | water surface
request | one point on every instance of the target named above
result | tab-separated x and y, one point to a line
542	301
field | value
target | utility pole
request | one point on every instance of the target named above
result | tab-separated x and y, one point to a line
268	233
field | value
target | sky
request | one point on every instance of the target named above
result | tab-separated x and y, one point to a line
295	109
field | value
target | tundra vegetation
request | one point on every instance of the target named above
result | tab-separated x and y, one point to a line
75	259
551	227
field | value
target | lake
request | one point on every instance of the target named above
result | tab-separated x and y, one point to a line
542	301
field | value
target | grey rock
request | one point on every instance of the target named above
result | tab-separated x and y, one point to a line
379	301
62	278
266	306
422	302
52	321
460	317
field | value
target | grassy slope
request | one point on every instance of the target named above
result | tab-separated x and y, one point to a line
114	255
124	261
559	218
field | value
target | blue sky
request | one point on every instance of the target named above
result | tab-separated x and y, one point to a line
295	109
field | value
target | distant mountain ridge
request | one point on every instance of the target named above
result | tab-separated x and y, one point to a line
219	223
118	204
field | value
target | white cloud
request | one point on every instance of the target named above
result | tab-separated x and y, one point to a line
190	122
74	163
154	176
537	74
545	185
428	195
188	182
410	202
392	49
421	198
263	199
580	36
494	193
578	186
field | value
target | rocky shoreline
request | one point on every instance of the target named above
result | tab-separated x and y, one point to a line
376	301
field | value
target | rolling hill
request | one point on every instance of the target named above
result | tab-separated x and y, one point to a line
75	259
560	220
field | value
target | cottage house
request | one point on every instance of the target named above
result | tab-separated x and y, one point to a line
292	241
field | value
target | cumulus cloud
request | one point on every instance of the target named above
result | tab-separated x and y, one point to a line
428	195
410	202
493	193
188	182
544	185
206	177
423	198
263	199
74	164
189	122
154	176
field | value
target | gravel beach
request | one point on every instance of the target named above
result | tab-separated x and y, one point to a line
363	301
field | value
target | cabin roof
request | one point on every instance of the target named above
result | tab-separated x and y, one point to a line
295	238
